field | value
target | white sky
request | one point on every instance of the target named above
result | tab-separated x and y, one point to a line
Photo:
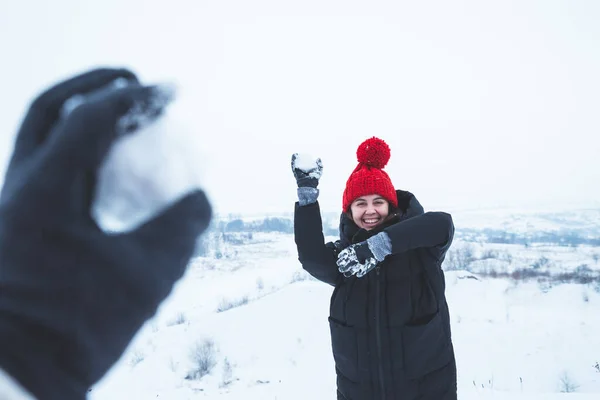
483	104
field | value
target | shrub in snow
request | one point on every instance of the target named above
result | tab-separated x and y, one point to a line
227	376
585	296
521	383
545	285
173	364
235	239
218	252
595	257
582	275
527	273
459	258
575	277
597	367
227	304
203	356
211	244
540	262
485	385
584	271
210	266
202	248
178	320
489	254
137	356
300	275
566	384
506	256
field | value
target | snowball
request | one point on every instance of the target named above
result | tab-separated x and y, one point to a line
305	162
144	173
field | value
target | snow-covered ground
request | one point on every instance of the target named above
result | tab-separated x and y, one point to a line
264	321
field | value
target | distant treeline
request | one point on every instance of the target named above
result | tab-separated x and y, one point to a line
286	225
270	224
503	237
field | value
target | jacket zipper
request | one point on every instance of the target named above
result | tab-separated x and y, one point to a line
378	332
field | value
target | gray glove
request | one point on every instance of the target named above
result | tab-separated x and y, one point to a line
307	180
360	258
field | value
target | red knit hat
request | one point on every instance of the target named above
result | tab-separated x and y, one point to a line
368	177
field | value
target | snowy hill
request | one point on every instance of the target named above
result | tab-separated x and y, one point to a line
247	322
578	225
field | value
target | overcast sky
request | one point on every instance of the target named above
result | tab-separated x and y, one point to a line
483	104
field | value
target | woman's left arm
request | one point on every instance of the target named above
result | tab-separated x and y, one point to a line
434	230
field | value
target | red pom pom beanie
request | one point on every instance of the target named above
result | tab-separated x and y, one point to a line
368	177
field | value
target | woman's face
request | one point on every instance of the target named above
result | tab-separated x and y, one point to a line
369	211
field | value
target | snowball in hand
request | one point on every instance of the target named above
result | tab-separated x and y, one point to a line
145	171
308	163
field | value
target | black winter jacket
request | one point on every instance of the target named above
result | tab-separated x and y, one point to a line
390	330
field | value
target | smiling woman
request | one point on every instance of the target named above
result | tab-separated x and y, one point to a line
389	319
369	211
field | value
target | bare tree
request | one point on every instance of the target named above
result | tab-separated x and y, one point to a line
566	384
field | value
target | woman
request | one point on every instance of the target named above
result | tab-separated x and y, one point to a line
389	321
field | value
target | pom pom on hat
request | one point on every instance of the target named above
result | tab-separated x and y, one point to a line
373	152
368	177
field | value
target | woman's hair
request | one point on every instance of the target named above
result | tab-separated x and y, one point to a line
393	211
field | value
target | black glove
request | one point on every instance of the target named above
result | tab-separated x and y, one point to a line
71	296
307	177
356	259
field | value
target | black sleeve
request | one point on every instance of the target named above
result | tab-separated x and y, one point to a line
317	258
433	230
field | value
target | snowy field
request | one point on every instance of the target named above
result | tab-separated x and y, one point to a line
247	322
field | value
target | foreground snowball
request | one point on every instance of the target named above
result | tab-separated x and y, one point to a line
144	173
